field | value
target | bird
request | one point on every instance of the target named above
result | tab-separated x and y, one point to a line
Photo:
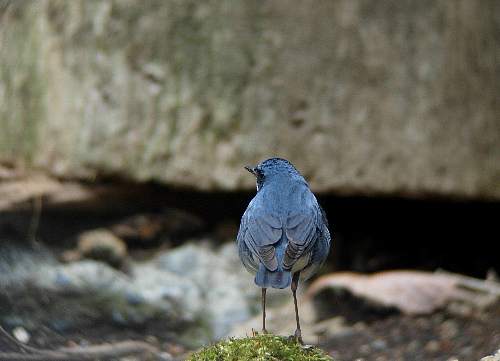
283	234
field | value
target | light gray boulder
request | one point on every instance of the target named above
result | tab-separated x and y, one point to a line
83	292
227	290
199	292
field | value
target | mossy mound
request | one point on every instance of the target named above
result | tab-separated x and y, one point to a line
259	348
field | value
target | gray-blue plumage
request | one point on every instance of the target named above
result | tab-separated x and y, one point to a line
283	230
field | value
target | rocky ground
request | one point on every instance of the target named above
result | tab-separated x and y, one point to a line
182	298
157	283
437	337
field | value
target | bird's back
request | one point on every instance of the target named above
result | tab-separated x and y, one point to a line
280	231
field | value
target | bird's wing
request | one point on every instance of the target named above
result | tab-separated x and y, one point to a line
302	230
259	231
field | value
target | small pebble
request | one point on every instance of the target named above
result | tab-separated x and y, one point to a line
432	346
359	326
413	346
152	339
165	356
84	343
21	334
71	343
448	330
365	349
379	344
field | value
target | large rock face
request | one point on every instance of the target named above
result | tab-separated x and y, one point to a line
364	97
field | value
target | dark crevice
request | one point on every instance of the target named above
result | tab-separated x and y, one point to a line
369	234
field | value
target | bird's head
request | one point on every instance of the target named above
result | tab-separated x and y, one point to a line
273	169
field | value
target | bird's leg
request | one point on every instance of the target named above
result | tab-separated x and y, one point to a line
264	310
295	283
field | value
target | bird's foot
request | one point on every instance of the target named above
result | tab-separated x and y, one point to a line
297	336
255	332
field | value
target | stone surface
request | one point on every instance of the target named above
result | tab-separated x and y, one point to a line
21	334
364	97
79	293
228	292
410	292
199	292
99	244
495	357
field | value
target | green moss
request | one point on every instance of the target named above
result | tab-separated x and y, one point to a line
259	348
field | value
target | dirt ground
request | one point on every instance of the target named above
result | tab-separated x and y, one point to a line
439	337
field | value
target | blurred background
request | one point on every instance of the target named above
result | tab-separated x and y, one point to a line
124	129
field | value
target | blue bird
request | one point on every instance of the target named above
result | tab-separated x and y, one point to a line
283	234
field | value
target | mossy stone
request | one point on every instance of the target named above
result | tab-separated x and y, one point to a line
264	347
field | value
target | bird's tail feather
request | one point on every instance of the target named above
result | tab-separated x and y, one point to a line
275	279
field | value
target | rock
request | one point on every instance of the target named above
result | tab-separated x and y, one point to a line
228	293
448	330
71	255
165	356
355	93
105	293
329	328
21	334
495	357
367	298
19	265
410	292
156	286
259	347
199	292
379	345
66	296
23	189
432	346
99	244
148	228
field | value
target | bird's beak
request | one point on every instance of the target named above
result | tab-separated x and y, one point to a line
250	169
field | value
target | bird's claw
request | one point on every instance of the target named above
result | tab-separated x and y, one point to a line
297	337
255	332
